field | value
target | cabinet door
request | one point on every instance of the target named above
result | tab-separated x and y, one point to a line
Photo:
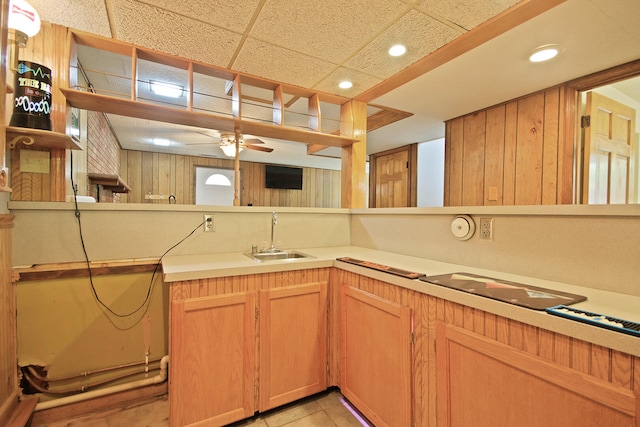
293	343
211	373
484	383
376	357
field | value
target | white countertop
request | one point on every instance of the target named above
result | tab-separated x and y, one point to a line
194	267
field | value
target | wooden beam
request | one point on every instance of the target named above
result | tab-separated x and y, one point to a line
278	106
511	18
315	115
385	117
353	121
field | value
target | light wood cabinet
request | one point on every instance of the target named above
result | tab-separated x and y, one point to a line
482	382
212	353
234	354
376	336
293	343
601	381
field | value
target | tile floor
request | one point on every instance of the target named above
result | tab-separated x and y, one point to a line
323	410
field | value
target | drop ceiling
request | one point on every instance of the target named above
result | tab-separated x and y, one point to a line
316	45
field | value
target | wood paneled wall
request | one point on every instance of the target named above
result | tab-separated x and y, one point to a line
8	368
590	360
8	373
517	153
167	174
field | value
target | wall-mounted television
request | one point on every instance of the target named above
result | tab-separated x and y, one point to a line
283	177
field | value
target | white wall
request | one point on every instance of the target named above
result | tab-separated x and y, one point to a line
431	174
590	246
214	195
48	232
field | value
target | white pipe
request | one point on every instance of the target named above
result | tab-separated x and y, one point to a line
161	377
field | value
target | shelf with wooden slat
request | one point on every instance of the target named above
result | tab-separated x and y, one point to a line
109	182
113	105
39	138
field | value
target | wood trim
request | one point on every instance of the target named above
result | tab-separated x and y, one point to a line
605	77
100	403
6	220
8	407
511	18
23	412
385	117
79	269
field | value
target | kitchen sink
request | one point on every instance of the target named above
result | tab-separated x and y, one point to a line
277	256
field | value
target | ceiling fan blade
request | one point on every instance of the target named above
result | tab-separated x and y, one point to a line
259	148
251	141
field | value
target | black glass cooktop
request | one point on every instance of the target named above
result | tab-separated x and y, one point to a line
503	290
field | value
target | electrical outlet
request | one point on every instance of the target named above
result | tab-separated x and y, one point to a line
209	225
486	228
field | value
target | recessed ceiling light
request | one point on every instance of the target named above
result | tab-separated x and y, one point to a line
346	84
162	142
397	50
544	53
166	89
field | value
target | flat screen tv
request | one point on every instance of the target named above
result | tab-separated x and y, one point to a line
283	177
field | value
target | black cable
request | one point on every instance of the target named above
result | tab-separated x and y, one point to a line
86	257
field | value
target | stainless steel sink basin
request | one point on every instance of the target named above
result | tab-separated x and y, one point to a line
277	256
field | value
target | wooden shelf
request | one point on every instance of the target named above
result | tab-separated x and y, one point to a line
40	138
124	107
109	182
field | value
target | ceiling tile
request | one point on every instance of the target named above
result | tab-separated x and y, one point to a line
137	23
231	15
84	15
313	28
273	62
361	82
467	14
420	33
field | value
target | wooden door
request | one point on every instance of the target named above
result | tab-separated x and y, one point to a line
293	343
392	180
211	377
608	151
376	357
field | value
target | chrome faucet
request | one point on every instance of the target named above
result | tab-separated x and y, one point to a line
274	222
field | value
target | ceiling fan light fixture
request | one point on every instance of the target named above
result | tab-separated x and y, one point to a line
544	53
230	150
23	18
397	50
166	89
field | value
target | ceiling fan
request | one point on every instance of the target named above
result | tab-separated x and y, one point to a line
227	143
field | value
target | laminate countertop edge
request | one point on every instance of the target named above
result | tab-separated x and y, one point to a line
180	268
